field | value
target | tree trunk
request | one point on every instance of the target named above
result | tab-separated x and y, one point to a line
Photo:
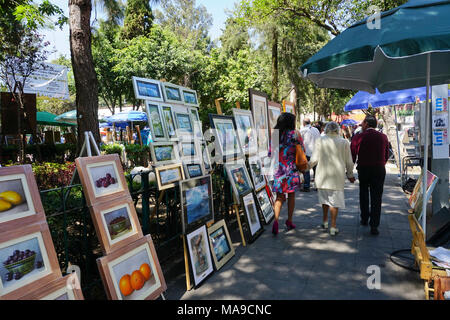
86	83
275	65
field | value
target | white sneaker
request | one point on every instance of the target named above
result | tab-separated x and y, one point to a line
334	231
325	225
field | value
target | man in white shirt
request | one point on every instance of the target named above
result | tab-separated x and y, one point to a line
309	135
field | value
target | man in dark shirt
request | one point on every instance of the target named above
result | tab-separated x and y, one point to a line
371	150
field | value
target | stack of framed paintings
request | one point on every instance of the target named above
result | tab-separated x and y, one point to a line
29	263
129	268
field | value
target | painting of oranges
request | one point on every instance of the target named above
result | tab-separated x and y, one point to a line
134	276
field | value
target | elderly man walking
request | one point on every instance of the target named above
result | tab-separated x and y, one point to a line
310	136
371	149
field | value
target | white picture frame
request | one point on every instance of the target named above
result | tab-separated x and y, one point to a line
244	124
155	121
163	159
168	117
251	214
147	89
259	107
172	93
256	171
189	97
200	254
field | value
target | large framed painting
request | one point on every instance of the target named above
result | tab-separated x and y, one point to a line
169	122
252	217
265	205
155	121
147	89
20	201
200	255
256	170
227	142
116	223
221	246
190	97
239	178
28	260
196	202
289	107
258	104
102	178
167	176
133	272
172	93
184	124
65	288
246	131
164	153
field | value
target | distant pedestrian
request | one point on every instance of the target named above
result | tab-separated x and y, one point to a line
333	158
310	136
286	176
370	150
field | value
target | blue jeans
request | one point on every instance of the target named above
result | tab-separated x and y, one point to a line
307	177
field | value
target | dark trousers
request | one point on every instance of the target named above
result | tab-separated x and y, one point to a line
307	175
371	181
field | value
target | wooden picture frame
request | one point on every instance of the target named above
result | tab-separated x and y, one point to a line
129	260
20	201
265	204
147	89
168	176
289	107
220	242
245	128
224	130
172	93
256	171
169	122
164	153
200	255
189	97
155	121
259	107
197	206
91	169
239	178
116	223
65	288
28	260
255	227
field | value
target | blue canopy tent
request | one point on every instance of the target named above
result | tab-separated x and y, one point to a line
349	122
121	120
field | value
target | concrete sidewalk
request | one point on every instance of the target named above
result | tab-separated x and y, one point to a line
308	263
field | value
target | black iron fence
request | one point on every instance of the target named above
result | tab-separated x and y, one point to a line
74	235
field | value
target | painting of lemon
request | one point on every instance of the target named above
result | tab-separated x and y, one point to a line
12	199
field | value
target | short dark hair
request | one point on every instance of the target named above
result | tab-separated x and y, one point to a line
371	121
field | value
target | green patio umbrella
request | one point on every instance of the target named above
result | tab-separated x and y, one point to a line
47	118
410	49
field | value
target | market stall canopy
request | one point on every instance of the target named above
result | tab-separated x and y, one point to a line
71	117
392	57
47	118
349	122
127	116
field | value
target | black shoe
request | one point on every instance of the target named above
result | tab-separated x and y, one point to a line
364	223
374	231
306	190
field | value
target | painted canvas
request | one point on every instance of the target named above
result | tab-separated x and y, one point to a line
200	254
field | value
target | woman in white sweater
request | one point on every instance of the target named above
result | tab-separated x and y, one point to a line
334	162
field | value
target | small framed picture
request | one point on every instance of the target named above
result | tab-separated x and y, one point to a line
28	260
255	165
163	153
199	254
227	142
252	217
167	176
147	89
240	180
198	132
20	201
221	246
194	169
133	272
258	105
190	97
266	205
172	93
169	122
206	158
184	124
289	107
116	223
187	149
102	178
66	288
155	121
246	131
196	202
273	111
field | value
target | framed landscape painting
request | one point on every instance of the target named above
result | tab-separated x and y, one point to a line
188	149
246	131
200	254
102	178
147	89
172	93
266	205
258	104
155	121
163	153
227	142
194	169
196	202
66	288
20	201
116	223
221	246
167	176
240	180
28	260
184	124
133	272
256	168
252	217
190	97
169	122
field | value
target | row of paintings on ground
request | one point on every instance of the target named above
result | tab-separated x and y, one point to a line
29	267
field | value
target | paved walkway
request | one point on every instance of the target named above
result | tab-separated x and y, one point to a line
308	263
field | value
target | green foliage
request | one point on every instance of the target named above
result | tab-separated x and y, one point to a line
113	148
138	19
138	155
53	175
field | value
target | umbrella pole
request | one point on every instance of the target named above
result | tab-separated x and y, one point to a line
425	151
398	143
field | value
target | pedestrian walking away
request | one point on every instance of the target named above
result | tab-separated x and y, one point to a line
334	162
309	135
370	151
